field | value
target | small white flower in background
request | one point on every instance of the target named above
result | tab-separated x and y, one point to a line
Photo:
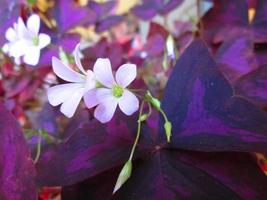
25	40
113	92
70	94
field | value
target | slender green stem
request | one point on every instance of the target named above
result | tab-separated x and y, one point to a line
138	130
164	115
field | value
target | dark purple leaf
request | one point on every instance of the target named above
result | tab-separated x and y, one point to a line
253	86
225	20
259	23
69	14
16	167
236	58
99	187
164	176
89	151
179	175
102	9
205	113
150	8
228	19
108	22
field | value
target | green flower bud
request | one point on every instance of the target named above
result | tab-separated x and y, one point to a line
154	102
124	175
168	130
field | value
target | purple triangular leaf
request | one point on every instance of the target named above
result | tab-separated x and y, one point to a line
90	150
205	113
16	167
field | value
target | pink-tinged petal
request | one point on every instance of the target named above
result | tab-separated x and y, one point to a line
78	60
60	93
90	80
103	72
33	24
32	55
66	73
106	109
44	40
17	48
23	33
128	103
95	96
11	35
126	74
69	107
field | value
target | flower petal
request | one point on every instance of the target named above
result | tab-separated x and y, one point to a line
103	72
95	96
126	74
66	73
78	60
17	48
128	103
23	33
60	93
90	81
44	40
106	109
11	35
32	55
69	107
33	24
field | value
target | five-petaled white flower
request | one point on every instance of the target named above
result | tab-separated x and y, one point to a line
70	94
112	92
25	40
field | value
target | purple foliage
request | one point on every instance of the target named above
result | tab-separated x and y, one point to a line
228	19
16	167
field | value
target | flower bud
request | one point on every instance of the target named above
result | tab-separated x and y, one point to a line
168	130
124	175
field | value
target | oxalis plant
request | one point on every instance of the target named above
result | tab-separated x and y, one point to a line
200	153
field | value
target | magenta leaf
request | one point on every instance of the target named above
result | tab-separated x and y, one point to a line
16	167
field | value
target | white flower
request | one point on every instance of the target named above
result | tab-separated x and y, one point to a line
25	41
115	93
70	94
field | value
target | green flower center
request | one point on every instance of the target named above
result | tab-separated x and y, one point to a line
117	91
35	41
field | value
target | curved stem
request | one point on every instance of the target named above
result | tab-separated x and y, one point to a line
138	130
